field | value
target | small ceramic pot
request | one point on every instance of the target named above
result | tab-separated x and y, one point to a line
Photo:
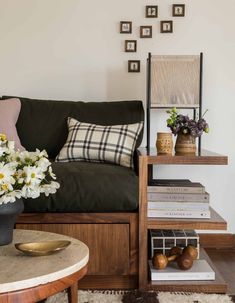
185	144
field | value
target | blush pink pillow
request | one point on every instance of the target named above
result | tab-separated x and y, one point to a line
9	113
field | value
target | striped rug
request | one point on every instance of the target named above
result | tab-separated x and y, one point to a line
141	297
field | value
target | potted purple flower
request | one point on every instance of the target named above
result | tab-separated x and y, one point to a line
187	130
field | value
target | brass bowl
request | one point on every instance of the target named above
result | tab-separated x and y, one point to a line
42	248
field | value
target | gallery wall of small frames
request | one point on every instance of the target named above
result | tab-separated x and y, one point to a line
147	31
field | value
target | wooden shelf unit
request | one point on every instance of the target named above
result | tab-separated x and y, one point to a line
216	286
204	158
146	160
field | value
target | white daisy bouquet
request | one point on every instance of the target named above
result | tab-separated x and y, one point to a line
24	174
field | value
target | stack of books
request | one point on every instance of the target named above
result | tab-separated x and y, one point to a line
178	199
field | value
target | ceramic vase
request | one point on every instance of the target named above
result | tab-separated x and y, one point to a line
8	215
185	144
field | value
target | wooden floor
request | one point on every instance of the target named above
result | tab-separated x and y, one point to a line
224	260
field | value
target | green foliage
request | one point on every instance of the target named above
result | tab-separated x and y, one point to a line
183	124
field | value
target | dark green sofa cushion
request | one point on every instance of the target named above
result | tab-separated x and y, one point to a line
89	187
42	124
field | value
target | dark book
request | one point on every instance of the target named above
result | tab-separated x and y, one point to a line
175	186
170	181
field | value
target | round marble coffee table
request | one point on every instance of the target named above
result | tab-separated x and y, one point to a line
31	279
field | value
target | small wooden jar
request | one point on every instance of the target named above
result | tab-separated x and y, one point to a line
164	143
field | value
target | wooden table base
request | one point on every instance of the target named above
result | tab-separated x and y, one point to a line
73	293
42	292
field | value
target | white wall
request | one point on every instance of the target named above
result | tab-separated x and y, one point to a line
72	49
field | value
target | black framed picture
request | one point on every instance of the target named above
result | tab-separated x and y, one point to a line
125	27
146	31
178	10
130	46
134	66
151	11
167	26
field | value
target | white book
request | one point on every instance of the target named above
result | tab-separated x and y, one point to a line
178	197
179	206
192	214
200	271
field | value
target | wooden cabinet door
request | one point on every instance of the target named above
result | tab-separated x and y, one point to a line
108	244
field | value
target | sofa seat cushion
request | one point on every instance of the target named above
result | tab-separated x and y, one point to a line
89	187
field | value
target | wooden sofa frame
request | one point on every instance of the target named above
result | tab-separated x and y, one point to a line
111	237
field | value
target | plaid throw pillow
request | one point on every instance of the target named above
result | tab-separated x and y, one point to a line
97	143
